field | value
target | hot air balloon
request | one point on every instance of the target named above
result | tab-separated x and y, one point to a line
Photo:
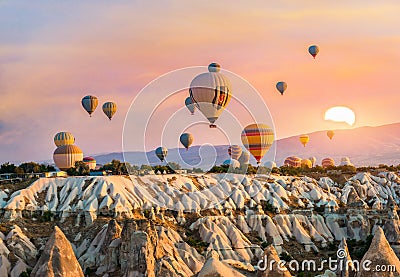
109	109
328	162
306	163
313	50
281	87
65	156
211	92
186	140
90	103
257	138
161	153
292	161
64	138
90	162
304	139
313	160
345	161
330	134
270	164
232	162
244	157
235	151
189	104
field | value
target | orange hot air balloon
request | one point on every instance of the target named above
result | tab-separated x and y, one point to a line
330	134
327	162
304	139
257	138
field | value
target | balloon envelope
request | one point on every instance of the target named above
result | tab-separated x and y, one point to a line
270	164
257	138
313	50
161	153
186	139
313	160
327	162
330	134
281	87
189	104
90	162
89	103
65	156
63	138
292	161
211	92
235	151
304	139
232	162
109	109
306	163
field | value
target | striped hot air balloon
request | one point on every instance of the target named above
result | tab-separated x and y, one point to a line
327	162
109	109
211	92
257	138
235	151
304	139
63	138
292	161
89	103
161	153
90	162
65	156
305	163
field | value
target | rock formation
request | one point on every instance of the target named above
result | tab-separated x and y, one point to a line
379	254
58	258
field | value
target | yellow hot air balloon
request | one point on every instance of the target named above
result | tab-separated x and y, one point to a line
109	109
63	138
304	139
257	138
211	92
306	163
65	156
330	134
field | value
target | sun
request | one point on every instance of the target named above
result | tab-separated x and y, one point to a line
340	114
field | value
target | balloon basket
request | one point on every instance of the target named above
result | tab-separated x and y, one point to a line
213	126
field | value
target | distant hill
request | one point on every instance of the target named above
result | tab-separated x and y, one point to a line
364	146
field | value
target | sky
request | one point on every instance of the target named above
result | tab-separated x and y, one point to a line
52	53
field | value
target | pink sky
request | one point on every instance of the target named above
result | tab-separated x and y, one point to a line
54	53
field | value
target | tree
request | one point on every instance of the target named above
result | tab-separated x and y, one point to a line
80	169
174	166
7	168
116	167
